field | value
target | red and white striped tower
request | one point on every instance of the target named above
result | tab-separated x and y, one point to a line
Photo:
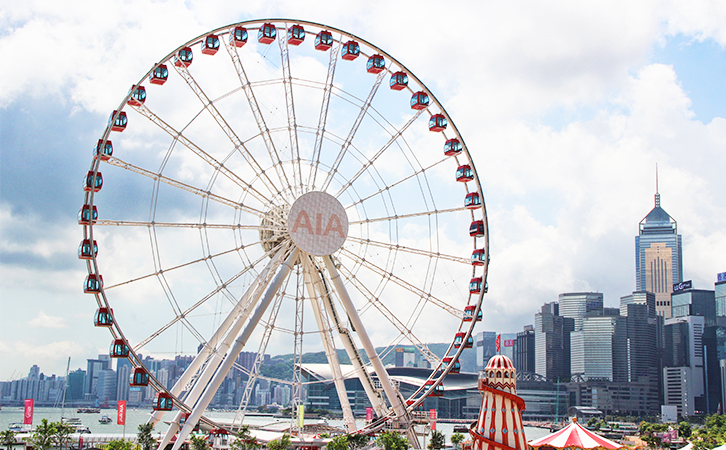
499	426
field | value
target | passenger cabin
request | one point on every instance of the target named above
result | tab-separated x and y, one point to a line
459	340
93	284
159	75
464	173
469	314
323	41
183	57
183	420
138	95
478	257
163	402
295	35
238	36
419	100
437	123
350	51
476	229
119	349
139	377
93	181
455	368
103	149
87	250
118	121
210	45
475	286
452	147
103	317
375	64
399	81
437	391
87	215
266	34
472	200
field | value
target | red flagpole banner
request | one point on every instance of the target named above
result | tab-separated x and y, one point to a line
28	415
369	413
499	342
121	416
433	416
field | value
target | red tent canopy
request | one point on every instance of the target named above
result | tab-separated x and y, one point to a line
575	436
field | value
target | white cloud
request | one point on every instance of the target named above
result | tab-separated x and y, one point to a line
43	320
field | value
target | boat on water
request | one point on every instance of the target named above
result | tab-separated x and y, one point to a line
105	419
20	428
88	410
76	424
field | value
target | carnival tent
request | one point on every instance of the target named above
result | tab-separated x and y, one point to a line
574	436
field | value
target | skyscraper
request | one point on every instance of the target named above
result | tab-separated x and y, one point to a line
658	256
578	305
552	342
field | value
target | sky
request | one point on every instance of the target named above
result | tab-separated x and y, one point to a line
565	106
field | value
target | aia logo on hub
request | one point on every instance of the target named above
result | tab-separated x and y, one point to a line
318	223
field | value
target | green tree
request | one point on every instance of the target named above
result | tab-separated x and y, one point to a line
357	440
199	443
144	437
339	442
456	439
684	430
390	440
280	444
43	436
119	444
438	440
245	440
7	438
62	433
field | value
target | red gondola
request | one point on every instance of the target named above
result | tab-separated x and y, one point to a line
476	229
472	200
159	75
478	257
452	147
163	402
118	123
87	250
464	173
93	284
138	95
139	377
119	349
350	51
93	182
438	391
183	57
238	36
375	64
87	215
210	45
437	122
103	150
469	314
295	35
183	420
455	368
103	317
419	100
475	285
323	41
459	340
399	81
267	33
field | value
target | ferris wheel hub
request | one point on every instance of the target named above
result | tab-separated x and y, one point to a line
318	223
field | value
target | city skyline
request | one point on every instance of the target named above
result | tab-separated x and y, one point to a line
566	118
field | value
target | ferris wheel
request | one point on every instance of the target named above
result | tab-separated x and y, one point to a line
279	184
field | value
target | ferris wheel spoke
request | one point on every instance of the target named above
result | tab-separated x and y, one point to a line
404	330
413	251
219	226
385	274
181	138
406	216
371	161
353	131
178	184
231	135
323	117
291	119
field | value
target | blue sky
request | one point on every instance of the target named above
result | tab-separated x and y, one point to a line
566	108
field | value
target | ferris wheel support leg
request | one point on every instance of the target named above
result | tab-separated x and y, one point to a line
237	347
231	327
330	351
370	350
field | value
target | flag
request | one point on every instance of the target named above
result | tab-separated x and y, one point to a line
369	413
121	412
300	416
499	342
28	415
432	418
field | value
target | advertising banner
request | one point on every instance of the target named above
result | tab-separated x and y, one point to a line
121	415
369	414
300	416
28	416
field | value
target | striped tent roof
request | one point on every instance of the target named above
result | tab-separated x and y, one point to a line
574	436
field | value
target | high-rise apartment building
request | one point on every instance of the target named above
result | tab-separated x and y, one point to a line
683	365
552	342
658	256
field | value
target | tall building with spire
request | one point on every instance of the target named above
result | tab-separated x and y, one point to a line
658	256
